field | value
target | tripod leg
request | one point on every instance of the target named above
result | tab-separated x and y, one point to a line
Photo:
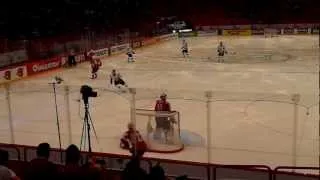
94	130
87	126
83	137
57	118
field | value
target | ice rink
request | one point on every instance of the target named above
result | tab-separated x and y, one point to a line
252	111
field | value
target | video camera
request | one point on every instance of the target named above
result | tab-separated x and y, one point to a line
58	79
87	92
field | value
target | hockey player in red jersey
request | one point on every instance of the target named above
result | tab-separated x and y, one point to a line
133	141
163	124
95	65
162	104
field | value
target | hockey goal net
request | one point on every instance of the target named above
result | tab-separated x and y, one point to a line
160	130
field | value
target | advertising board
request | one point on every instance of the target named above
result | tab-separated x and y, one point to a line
167	37
288	31
302	31
208	33
237	32
257	31
234	27
119	48
80	58
188	34
136	44
13	73
100	53
45	65
206	28
315	31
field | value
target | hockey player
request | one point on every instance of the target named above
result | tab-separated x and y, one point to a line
163	124
130	54
95	66
184	48
133	141
113	76
116	79
221	51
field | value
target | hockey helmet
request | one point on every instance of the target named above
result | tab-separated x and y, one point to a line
163	95
131	126
91	53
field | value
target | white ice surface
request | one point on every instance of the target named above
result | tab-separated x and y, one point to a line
252	113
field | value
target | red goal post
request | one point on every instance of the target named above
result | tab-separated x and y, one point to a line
167	138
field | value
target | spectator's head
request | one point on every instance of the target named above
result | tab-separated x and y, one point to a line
43	150
157	173
72	154
4	157
133	170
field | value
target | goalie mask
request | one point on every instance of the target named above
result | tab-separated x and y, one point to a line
163	96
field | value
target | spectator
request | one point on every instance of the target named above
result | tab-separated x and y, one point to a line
134	171
72	59
92	169
72	155
101	165
157	173
72	169
5	172
41	168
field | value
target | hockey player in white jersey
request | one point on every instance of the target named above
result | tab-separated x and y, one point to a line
116	80
221	51
130	54
184	48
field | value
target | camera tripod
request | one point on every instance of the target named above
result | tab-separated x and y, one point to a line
86	127
54	87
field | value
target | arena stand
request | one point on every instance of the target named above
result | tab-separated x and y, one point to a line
20	156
